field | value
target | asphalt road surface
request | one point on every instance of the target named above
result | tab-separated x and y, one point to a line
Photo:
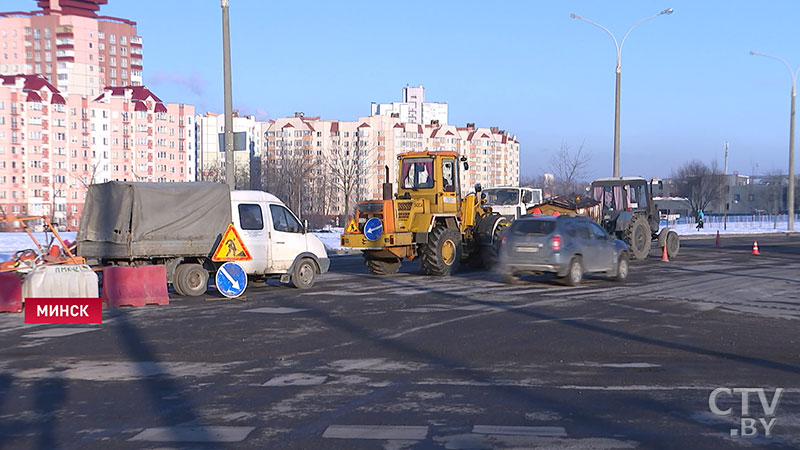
412	361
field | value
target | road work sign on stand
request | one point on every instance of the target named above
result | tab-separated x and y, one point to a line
231	247
351	227
231	280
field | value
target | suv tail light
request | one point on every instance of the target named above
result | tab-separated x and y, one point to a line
503	240
555	244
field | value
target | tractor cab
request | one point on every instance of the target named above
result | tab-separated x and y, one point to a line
624	197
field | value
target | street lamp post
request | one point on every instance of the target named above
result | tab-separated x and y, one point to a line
230	174
619	72
790	196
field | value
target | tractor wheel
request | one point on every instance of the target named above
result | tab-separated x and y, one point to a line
673	244
442	254
638	237
382	266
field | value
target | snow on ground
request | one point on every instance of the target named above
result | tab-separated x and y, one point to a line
735	225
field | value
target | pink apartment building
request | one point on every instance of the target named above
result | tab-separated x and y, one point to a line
52	146
73	47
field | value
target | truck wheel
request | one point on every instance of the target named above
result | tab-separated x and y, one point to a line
191	280
382	266
673	244
304	274
176	277
442	254
638	237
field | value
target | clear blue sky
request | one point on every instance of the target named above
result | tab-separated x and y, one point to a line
688	82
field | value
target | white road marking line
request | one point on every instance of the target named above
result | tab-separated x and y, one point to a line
296	379
384	432
194	434
520	431
630	365
279	310
57	332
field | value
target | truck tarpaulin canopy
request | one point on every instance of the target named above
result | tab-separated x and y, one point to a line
132	220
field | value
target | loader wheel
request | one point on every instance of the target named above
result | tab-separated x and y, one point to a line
382	266
673	244
442	254
638	237
491	253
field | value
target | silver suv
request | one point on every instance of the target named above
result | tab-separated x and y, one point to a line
567	245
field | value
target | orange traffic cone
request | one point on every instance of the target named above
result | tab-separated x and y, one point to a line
755	248
664	256
717	244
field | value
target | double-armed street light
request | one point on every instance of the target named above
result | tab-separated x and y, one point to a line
619	71
790	194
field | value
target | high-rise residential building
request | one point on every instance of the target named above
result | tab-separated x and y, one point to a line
322	167
53	145
73	47
413	108
210	128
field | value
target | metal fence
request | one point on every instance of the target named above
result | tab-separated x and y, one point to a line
735	222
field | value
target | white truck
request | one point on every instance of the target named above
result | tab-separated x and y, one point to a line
180	226
511	201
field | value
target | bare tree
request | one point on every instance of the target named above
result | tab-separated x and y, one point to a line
286	176
700	184
346	168
570	168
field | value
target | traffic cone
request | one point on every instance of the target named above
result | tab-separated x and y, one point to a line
755	248
664	256
717	244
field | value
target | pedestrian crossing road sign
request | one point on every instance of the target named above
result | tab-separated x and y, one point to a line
231	247
351	227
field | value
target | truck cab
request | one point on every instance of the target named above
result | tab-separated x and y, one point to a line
510	201
276	239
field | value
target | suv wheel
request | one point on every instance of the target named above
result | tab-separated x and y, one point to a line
622	268
575	272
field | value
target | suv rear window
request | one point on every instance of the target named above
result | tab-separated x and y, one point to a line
543	227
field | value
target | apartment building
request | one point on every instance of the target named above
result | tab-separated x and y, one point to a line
413	108
52	145
359	150
210	129
73	47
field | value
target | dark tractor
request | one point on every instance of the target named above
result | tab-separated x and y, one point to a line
629	213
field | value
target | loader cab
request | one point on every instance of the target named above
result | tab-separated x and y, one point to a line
433	176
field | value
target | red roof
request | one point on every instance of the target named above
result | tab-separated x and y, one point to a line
140	106
433	135
57	99
469	138
365	124
334	127
288	125
419	129
399	125
33	97
449	133
309	126
160	108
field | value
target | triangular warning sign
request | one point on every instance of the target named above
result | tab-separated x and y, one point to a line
231	247
351	227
